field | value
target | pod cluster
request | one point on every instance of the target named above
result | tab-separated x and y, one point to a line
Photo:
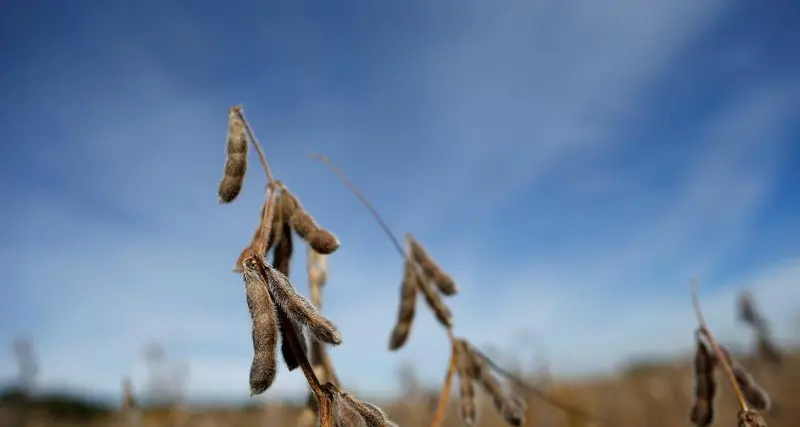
472	369
705	386
421	274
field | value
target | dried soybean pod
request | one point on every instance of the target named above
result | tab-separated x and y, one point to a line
236	161
443	281
346	415
406	310
265	328
371	414
284	249
493	388
317	274
298	308
755	395
705	386
466	384
287	204
511	408
434	300
320	239
282	256
768	351
748	312
287	326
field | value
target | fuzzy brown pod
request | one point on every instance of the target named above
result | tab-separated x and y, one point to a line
510	407
768	351
748	312
264	328
320	239
236	161
281	260
317	269
513	410
346	415
443	281
407	308
472	361
512	413
753	393
466	384
433	298
705	386
354	412
299	309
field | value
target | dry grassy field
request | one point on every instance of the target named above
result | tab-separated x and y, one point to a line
651	396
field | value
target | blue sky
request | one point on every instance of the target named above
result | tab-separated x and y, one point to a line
572	165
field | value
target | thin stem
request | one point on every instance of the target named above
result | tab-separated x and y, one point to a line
257	145
538	392
258	245
444	396
726	366
325	406
342	177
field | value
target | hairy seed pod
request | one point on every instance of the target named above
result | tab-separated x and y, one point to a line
748	312
281	260
510	407
287	204
768	351
705	386
472	360
236	161
702	413
287	326
513	410
466	384
443	281
298	308
345	414
407	308
320	239
492	387
372	415
317	271
432	297
265	329
753	393
466	402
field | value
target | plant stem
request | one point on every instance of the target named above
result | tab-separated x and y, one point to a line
444	396
257	145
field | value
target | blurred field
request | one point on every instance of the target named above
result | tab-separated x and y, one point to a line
654	395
